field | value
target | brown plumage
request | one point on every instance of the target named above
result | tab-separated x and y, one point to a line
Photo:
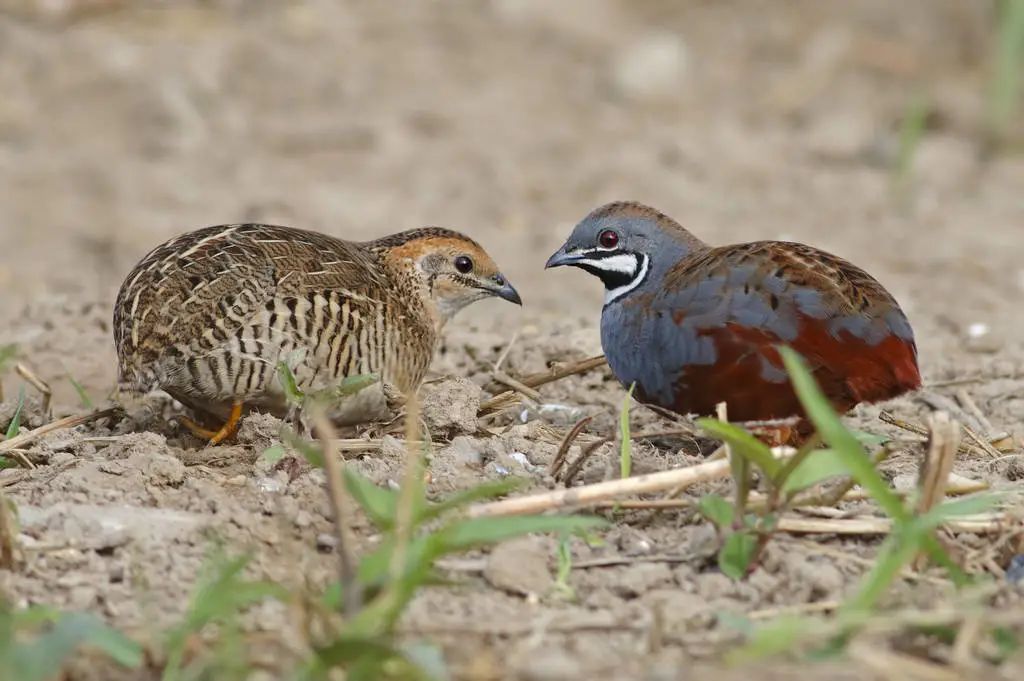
208	316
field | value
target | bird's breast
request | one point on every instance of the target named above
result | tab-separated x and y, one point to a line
652	350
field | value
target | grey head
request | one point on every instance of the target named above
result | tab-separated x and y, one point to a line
628	246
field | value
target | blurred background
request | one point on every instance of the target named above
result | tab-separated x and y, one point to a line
887	132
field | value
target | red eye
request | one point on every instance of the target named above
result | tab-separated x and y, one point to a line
608	239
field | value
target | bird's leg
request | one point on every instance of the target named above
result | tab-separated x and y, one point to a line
216	436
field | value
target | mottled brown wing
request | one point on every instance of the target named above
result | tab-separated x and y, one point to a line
209	282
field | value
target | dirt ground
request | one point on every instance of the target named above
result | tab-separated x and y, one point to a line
123	123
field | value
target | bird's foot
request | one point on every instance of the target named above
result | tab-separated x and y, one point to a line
216	436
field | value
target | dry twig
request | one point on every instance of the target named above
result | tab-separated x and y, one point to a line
563	448
588	495
20	441
556	373
37	383
350	591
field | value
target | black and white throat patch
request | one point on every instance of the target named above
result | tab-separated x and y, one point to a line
619	272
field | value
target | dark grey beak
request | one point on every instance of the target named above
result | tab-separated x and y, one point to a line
505	290
561	257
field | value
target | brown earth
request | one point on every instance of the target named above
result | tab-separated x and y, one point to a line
124	123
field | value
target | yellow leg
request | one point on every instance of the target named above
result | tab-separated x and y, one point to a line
216	436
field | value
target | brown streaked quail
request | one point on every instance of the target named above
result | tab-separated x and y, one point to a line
208	316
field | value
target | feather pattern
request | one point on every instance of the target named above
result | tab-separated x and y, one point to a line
707	328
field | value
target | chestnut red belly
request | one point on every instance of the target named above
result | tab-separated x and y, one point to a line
748	372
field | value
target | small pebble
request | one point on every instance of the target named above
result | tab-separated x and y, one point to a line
325	543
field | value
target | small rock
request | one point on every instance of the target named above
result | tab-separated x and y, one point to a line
393	448
467	451
303	518
702	542
519	566
325	543
652	67
451	406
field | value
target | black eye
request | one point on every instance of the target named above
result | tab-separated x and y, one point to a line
608	239
464	264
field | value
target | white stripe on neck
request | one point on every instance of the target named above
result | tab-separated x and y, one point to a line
637	267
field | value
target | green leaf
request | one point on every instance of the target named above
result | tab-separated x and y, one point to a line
289	384
780	636
736	554
818	466
474	532
833	431
350	385
7	353
487	490
967	505
274	453
717	510
43	657
898	549
379	504
309	451
83	396
743	443
15	425
870	440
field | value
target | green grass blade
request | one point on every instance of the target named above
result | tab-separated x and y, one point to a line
832	430
819	466
83	395
717	510
487	490
379	504
15	425
743	444
1008	67
474	532
7	353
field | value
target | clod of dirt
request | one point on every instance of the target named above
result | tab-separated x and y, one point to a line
259	430
162	470
465	451
820	577
132	444
519	566
703	542
678	611
451	406
640	578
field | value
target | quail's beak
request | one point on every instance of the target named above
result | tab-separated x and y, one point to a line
563	257
504	290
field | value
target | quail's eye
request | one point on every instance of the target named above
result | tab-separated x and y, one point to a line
608	239
464	264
